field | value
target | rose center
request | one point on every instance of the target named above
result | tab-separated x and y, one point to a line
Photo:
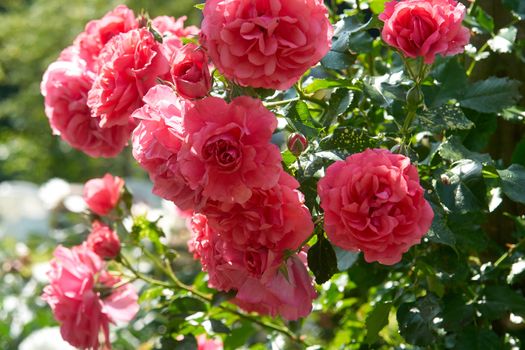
224	151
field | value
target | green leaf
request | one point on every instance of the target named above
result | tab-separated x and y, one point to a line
337	60
298	115
443	118
288	158
416	320
439	231
338	104
345	258
200	6
491	95
377	6
518	156
144	229
151	293
516	6
376	321
239	336
322	260
347	140
513	182
485	21
319	84
451	82
500	299
514	114
453	150
213	326
186	306
478	339
504	41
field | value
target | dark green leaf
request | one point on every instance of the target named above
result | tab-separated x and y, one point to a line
416	320
501	299
376	321
457	313
347	140
188	343
213	326
345	258
220	297
322	260
446	117
337	60
239	336
513	182
298	115
517	6
453	150
452	81
491	95
478	339
439	231
338	104
518	156
186	306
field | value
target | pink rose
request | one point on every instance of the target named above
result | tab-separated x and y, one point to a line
99	32
288	294
275	218
130	64
156	144
77	277
263	43
425	28
228	152
167	26
103	241
65	87
102	194
254	272
373	202
203	343
190	72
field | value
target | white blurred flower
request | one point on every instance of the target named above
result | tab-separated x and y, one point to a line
45	339
53	192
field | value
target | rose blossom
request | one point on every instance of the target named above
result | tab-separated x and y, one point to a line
263	43
167	26
373	202
190	72
65	87
425	28
99	32
76	277
130	65
103	241
156	144
203	343
275	218
227	152
254	272
102	194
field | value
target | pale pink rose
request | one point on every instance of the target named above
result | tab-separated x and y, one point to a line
65	87
425	28
103	241
167	26
98	33
373	202
190	72
263	43
203	343
102	194
228	153
275	218
288	294
77	277
156	144
130	64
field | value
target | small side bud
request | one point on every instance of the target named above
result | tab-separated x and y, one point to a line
297	143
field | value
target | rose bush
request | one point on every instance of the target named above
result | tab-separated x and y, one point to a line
358	191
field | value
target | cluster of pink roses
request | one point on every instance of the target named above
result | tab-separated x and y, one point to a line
84	296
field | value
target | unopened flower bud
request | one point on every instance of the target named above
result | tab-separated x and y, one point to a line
297	143
414	96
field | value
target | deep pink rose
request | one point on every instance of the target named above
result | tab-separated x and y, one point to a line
275	218
373	202
103	241
65	87
425	28
203	343
99	32
167	26
102	194
254	272
156	144
130	64
288	294
228	151
190	72
265	43
77	277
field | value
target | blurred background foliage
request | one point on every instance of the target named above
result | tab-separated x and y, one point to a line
32	34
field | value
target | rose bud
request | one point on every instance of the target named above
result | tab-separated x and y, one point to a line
102	194
297	143
103	241
190	72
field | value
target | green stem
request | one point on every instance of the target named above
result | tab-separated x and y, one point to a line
280	103
509	252
474	61
303	96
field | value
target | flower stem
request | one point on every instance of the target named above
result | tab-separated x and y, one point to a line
280	103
